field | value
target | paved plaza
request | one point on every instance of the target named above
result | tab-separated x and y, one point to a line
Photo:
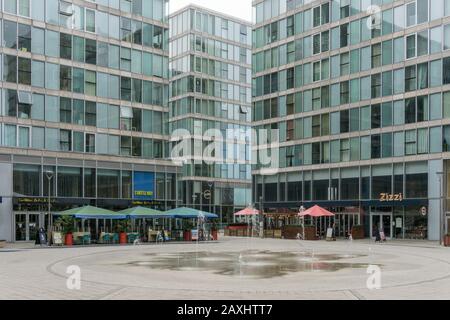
232	268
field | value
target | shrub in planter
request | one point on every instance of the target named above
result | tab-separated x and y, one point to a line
66	223
122	228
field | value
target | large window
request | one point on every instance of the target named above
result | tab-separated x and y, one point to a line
70	182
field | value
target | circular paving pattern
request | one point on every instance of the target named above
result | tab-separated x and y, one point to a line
258	266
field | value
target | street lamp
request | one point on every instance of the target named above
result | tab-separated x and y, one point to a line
440	175
261	217
49	175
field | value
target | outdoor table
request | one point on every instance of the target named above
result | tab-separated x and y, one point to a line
80	236
132	236
103	234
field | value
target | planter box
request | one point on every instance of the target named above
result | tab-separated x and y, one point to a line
358	232
447	241
2	243
291	232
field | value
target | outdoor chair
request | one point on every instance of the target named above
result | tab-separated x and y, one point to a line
106	238
115	238
86	239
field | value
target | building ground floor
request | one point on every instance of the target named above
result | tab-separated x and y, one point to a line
406	200
30	183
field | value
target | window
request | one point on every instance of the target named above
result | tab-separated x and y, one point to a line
65	111
23	140
65	78
9	34
90	84
65	14
24	38
410	78
91	51
125	88
91	113
90	143
65	46
376	55
411	14
125	30
411	46
65	140
25	101
125	59
137	31
24	68
90	20
344	35
10	68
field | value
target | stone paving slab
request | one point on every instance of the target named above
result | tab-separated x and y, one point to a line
410	270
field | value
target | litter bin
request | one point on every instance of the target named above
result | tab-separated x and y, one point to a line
42	237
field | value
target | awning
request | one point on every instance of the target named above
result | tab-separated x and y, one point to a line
189	213
90	212
247	212
144	213
317	211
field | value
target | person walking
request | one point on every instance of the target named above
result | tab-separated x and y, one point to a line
377	234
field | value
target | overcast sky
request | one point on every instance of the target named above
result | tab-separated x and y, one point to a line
238	8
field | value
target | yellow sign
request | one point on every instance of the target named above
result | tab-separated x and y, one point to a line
385	197
143	193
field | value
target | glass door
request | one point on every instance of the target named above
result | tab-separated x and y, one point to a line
33	226
21	230
382	222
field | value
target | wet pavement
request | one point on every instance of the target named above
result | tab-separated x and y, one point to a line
250	264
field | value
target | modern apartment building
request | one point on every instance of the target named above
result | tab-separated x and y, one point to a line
84	109
360	93
210	89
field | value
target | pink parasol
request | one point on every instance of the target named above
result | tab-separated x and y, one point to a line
317	211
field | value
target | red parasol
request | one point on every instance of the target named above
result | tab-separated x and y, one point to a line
317	211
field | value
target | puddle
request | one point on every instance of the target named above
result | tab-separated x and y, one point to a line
250	264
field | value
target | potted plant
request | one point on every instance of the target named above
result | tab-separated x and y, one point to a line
187	235
66	223
121	229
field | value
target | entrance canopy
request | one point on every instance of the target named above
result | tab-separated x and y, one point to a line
143	213
90	212
189	213
247	212
317	211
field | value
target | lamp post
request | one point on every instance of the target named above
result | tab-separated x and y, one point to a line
440	175
49	175
261	217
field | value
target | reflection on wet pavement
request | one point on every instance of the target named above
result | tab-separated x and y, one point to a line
251	264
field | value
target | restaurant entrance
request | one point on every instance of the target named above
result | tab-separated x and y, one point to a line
27	224
382	221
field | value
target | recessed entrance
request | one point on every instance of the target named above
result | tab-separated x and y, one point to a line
382	222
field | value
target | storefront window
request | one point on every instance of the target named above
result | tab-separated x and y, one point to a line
108	183
27	180
69	182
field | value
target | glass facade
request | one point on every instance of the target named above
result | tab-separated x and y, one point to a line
85	94
210	100
361	94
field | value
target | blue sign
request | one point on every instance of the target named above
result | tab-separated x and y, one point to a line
144	186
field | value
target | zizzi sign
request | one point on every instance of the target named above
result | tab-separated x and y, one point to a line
385	197
144	186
